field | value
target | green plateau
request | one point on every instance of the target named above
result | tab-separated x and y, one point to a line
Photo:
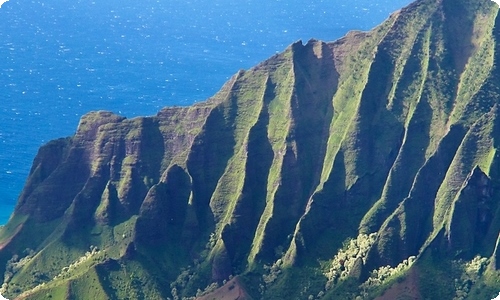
364	168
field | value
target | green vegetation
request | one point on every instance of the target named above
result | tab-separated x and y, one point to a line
354	169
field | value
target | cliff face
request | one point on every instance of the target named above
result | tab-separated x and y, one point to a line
332	170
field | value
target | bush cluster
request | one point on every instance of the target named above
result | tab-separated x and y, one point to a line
345	259
93	252
470	272
383	274
181	282
14	265
272	272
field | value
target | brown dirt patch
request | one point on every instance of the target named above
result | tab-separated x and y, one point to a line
232	290
408	289
7	241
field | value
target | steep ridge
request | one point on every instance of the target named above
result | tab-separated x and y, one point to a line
329	171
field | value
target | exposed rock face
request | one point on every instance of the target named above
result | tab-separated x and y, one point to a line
385	142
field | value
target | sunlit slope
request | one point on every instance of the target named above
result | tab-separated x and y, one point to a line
354	168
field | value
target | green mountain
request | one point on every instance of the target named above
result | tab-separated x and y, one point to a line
365	168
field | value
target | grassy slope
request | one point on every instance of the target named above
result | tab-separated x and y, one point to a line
270	178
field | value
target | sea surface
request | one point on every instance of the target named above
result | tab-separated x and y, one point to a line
62	58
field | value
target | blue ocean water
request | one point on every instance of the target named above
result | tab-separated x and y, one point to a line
60	59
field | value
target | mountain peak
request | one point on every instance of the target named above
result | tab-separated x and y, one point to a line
332	170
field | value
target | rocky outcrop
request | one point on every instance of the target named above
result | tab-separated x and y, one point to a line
329	170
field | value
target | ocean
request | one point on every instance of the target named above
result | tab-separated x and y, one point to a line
60	59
